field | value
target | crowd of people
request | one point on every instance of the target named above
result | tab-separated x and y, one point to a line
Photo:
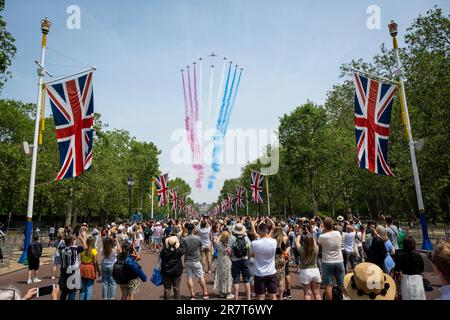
348	259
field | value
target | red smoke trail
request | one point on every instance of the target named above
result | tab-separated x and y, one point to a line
186	111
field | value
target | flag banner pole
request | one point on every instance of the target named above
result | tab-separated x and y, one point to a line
41	129
45	28
426	244
246	200
153	191
268	195
71	75
374	76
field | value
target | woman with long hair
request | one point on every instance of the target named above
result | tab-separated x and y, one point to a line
281	257
111	248
223	281
89	269
410	264
309	271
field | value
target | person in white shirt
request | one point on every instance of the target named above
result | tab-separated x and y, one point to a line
441	260
332	259
349	247
263	251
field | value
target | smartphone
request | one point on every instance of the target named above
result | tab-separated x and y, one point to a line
44	291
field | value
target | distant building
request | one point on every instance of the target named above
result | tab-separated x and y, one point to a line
203	208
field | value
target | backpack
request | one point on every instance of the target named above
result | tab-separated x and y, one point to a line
35	250
240	247
148	232
121	272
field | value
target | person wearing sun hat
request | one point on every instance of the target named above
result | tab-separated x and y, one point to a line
369	282
172	266
238	247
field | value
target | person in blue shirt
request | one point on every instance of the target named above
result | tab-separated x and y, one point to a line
130	255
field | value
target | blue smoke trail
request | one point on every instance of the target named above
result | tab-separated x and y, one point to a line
227	121
218	137
227	108
222	106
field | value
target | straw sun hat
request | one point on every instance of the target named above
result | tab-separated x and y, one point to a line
172	243
368	282
239	229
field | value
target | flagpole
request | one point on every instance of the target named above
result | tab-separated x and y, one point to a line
426	245
246	200
153	191
45	28
268	196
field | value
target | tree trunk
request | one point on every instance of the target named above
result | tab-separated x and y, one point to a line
69	207
142	200
311	191
75	216
368	208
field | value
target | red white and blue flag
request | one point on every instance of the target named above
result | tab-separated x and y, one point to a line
173	198
162	188
240	191
230	202
224	205
256	184
181	204
373	105
72	105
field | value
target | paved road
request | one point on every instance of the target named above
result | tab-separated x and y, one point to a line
150	292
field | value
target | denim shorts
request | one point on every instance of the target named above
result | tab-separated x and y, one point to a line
238	267
330	270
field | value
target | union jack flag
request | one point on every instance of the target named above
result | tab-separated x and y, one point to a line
173	198
162	187
224	205
72	105
257	186
181	204
230	202
373	105
240	196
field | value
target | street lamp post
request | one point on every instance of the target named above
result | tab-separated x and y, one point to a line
130	186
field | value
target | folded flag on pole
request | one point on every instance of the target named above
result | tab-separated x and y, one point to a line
257	186
373	105
72	105
162	187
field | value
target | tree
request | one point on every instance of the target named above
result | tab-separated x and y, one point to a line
7	49
301	133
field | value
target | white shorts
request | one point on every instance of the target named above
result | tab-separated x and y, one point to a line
310	275
194	268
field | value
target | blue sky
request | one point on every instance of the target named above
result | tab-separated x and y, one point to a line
291	52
